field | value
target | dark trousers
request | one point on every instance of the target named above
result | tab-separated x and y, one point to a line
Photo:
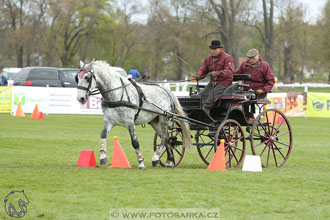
210	94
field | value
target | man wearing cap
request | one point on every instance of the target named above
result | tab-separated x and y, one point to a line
262	77
220	66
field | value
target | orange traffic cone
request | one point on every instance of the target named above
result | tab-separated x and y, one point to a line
40	116
35	112
86	159
119	159
218	161
19	111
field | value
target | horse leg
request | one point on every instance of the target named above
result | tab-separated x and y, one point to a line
156	126
135	144
165	139
160	125
103	149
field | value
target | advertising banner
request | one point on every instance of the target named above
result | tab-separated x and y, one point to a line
291	104
5	99
318	105
53	101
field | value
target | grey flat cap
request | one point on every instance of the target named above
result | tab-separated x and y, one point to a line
252	53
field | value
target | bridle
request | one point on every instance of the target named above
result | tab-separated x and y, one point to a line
90	78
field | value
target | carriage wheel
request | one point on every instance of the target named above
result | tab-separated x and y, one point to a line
232	133
175	141
205	145
271	138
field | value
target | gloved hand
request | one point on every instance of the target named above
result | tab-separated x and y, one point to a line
197	77
214	73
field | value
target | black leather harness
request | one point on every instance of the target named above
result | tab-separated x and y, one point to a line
128	103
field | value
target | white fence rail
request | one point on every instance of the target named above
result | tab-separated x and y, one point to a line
180	89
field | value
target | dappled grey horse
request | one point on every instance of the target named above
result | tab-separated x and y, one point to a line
127	104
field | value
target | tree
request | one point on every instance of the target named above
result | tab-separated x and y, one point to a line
227	18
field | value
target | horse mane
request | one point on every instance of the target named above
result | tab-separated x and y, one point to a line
101	66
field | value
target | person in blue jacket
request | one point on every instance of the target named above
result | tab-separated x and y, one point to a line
134	72
3	80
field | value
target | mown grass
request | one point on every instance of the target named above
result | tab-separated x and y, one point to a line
40	157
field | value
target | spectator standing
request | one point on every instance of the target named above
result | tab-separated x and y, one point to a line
134	73
3	80
145	75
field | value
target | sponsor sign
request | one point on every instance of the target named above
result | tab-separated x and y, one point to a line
5	99
54	101
318	104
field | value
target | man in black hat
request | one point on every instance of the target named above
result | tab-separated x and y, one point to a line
220	66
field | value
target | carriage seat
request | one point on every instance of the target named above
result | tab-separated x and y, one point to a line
235	86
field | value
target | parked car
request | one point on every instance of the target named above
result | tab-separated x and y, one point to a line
120	70
10	74
67	76
46	76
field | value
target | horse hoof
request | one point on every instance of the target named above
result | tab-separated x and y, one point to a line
103	161
142	168
169	166
155	163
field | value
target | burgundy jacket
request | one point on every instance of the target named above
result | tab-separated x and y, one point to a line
223	64
262	76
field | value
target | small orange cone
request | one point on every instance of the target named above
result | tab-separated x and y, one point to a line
19	111
119	159
218	161
41	116
35	112
86	159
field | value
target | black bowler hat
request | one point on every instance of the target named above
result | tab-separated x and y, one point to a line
215	44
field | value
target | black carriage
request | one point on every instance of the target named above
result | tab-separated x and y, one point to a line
268	130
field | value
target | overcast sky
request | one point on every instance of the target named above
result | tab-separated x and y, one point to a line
313	7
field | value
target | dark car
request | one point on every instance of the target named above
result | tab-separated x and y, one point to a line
46	76
67	76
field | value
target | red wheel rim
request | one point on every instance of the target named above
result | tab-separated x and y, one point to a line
271	138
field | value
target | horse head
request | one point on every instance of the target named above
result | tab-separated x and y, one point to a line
86	81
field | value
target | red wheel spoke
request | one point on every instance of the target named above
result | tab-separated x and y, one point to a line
279	142
268	122
173	157
268	155
274	154
161	155
280	125
273	123
226	138
229	158
208	153
288	132
234	156
261	143
238	139
264	128
178	152
278	149
264	149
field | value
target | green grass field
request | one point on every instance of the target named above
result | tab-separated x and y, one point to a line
40	156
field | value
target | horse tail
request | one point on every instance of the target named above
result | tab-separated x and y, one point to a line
186	136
